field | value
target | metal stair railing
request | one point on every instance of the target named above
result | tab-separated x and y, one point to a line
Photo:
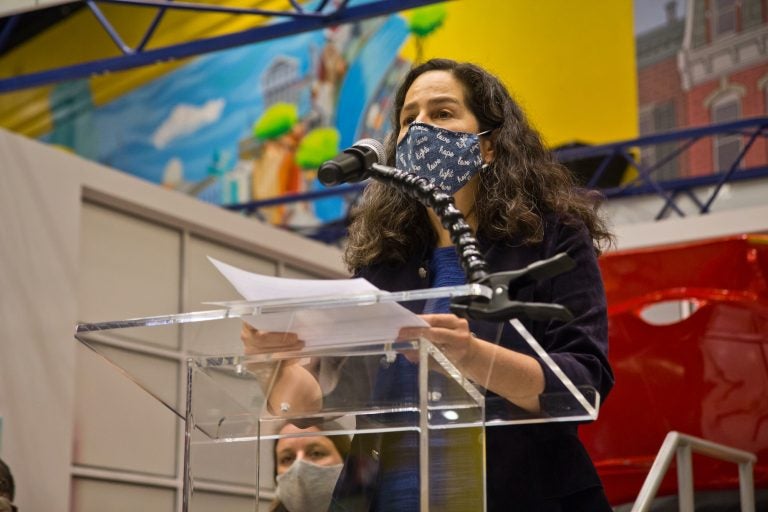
683	446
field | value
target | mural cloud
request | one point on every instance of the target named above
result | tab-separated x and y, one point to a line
186	119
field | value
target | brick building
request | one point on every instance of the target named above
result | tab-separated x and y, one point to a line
708	67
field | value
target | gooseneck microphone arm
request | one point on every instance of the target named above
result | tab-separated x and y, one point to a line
503	285
364	159
442	204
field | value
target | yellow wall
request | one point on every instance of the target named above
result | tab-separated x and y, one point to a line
571	64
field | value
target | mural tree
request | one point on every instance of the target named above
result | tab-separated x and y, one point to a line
276	121
423	22
316	147
274	170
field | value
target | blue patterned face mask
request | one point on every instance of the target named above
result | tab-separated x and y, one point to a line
446	158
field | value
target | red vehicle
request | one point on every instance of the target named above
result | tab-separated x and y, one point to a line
704	374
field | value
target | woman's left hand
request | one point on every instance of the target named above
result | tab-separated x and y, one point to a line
515	376
447	332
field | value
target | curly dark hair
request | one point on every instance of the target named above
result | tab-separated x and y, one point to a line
522	185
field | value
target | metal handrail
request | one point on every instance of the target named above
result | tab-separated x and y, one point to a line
683	446
647	182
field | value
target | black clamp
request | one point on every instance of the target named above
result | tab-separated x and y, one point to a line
504	286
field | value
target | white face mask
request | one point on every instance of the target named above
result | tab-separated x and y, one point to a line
307	487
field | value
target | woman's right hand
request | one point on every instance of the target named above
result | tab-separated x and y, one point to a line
260	342
292	388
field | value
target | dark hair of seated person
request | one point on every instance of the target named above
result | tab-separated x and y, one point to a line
7	485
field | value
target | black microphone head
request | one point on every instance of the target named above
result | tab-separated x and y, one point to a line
352	164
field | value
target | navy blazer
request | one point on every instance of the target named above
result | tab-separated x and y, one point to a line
526	464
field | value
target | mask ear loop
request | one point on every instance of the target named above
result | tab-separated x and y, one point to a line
481	134
486	132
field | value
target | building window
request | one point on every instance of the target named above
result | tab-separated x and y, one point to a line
727	146
765	99
751	14
724	17
661	118
279	81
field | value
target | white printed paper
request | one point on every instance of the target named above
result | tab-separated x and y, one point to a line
379	321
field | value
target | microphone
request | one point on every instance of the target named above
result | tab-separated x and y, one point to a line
352	164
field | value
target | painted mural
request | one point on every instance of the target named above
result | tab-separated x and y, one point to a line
252	122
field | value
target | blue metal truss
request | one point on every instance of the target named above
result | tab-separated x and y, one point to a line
300	19
646	183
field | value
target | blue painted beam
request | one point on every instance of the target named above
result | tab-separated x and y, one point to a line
209	8
686	184
250	206
208	45
666	189
714	129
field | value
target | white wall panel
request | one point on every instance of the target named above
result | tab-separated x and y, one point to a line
118	425
98	496
208	501
205	283
129	267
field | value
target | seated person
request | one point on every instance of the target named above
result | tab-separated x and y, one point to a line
7	489
307	467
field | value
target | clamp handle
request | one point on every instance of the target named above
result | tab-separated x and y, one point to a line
504	285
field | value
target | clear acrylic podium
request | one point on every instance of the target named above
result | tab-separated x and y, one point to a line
351	379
